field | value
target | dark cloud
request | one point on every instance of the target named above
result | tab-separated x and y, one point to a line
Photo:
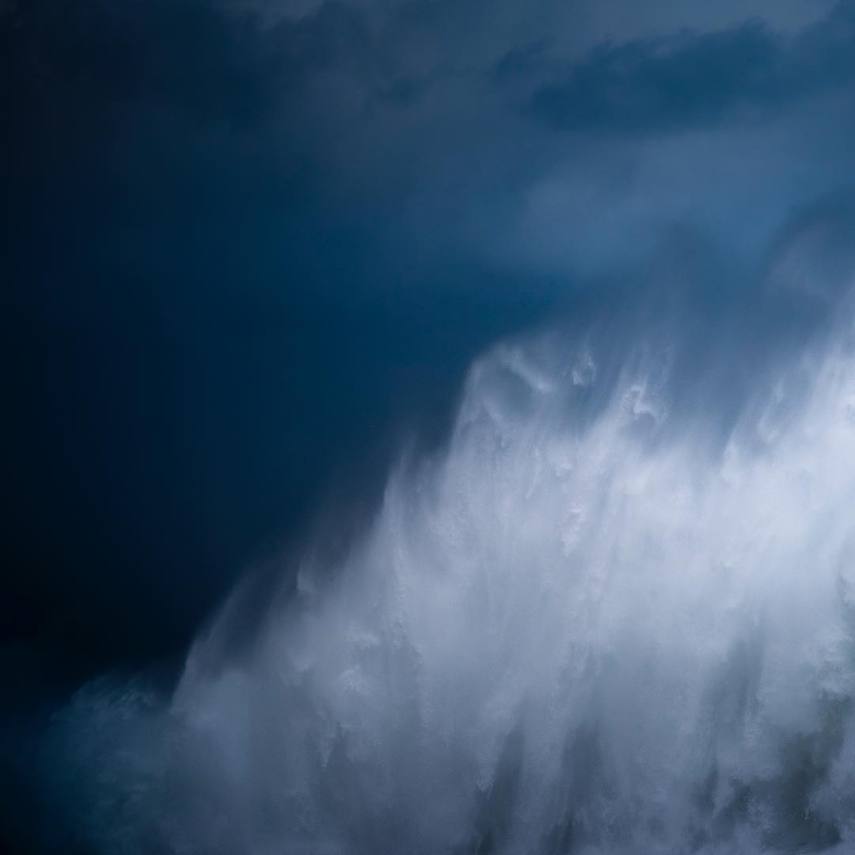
692	80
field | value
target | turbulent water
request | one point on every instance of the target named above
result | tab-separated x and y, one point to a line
616	614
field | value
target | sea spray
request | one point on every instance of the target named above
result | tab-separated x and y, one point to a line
601	620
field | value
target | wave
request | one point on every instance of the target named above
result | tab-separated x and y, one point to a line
615	614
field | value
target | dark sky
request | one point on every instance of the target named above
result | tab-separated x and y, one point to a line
249	247
202	325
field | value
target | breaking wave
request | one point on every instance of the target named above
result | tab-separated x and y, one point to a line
613	615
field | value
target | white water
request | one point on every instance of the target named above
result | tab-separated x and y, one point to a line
590	625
